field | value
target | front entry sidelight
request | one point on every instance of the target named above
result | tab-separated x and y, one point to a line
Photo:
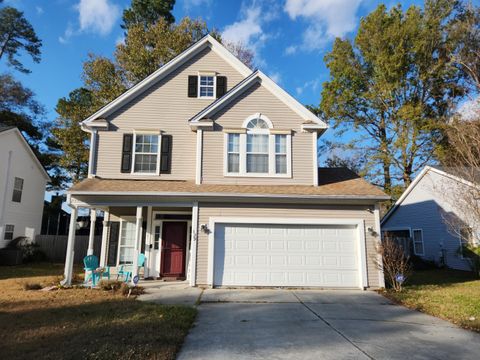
174	244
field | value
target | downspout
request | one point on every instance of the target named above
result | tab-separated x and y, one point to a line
4	198
91	157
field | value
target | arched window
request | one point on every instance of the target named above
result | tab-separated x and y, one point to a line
258	151
257	124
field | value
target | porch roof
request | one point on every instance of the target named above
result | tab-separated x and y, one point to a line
333	183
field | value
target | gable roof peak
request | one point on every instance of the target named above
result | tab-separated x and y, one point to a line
206	41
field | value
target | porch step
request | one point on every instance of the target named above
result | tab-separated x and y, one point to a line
171	278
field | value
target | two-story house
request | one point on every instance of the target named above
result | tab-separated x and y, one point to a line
22	187
210	169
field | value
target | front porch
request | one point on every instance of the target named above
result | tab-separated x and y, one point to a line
163	232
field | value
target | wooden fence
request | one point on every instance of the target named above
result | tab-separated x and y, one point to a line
55	246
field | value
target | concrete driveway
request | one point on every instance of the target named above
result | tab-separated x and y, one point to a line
283	324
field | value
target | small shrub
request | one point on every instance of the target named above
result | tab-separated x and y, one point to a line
32	286
128	290
394	262
108	285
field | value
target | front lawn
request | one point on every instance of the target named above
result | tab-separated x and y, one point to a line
83	323
448	294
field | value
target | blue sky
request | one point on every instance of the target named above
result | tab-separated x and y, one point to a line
289	37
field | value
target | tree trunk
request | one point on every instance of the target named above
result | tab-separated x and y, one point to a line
387	180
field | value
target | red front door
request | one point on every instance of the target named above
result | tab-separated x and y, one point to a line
174	240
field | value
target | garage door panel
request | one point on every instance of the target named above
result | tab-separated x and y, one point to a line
285	255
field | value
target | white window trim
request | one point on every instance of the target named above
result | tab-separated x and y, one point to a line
5	232
214	75
122	221
271	151
423	243
157	173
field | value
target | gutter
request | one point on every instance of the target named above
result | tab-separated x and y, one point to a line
226	195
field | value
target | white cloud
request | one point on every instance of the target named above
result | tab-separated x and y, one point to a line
94	16
290	50
470	109
69	32
276	76
97	16
311	85
39	10
249	30
326	19
188	4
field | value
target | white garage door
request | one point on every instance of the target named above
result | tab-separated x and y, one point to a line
286	255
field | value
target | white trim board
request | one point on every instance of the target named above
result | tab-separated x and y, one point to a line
206	41
270	85
359	223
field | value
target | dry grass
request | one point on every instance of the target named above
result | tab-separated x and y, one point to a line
448	294
82	323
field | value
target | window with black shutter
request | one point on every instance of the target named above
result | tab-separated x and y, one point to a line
221	86
192	86
127	149
166	154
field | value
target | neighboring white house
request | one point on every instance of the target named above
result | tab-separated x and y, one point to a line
429	215
22	187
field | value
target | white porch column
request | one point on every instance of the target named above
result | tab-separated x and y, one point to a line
138	240
70	248
103	249
91	236
148	242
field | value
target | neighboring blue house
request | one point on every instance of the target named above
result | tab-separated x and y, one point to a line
427	217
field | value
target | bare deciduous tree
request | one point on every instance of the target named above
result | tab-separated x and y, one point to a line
394	263
462	158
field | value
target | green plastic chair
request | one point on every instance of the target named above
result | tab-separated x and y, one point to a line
90	263
129	273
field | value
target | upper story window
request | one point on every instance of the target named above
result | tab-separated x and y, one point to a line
146	154
17	190
258	150
206	86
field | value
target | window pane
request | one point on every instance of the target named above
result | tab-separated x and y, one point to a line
418	248
8	232
206	86
18	184
281	164
233	163
146	163
257	124
257	143
257	163
281	144
234	143
146	144
126	255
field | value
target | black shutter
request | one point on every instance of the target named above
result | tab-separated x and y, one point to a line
127	148
113	243
221	86
166	154
144	235
192	86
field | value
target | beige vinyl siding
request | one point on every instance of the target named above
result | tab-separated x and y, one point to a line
164	107
257	99
208	210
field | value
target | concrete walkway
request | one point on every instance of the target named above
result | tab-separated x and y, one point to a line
282	324
170	292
